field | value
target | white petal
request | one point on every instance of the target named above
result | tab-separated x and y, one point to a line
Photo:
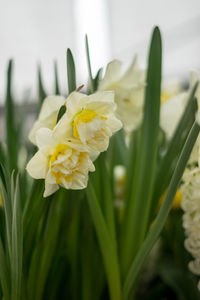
131	70
101	108
48	122
114	124
37	166
112	75
63	129
51	104
44	138
73	103
50	189
171	112
101	96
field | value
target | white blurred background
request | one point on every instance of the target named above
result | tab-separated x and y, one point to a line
41	31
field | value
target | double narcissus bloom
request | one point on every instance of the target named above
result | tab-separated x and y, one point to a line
63	162
67	150
90	119
129	91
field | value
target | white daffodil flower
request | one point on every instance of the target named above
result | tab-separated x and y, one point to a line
129	91
172	109
171	112
48	115
63	163
89	119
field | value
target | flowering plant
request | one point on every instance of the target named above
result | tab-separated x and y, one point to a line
65	234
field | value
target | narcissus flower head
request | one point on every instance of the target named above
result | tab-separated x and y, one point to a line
129	91
89	119
48	115
63	162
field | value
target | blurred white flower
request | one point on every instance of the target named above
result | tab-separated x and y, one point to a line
195	77
89	119
191	218
48	115
129	91
61	162
172	109
171	112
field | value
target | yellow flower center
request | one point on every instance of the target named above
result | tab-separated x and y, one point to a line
85	116
60	150
73	168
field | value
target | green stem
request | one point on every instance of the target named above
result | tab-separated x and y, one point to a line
163	213
108	205
107	246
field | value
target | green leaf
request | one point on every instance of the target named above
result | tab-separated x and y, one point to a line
137	209
71	72
92	83
61	112
181	282
2	154
96	79
11	134
107	245
49	242
160	220
107	196
5	193
57	88
168	162
41	90
17	245
4	273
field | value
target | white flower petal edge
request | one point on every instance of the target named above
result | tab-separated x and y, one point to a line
37	166
90	119
171	112
129	91
195	77
63	162
112	75
48	115
172	109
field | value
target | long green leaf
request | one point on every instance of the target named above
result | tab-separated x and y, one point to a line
71	72
137	209
57	88
11	134
107	197
107	245
167	163
4	272
6	195
92	83
163	213
49	242
17	245
41	90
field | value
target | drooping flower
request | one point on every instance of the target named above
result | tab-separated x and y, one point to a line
61	162
129	91
48	115
89	119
